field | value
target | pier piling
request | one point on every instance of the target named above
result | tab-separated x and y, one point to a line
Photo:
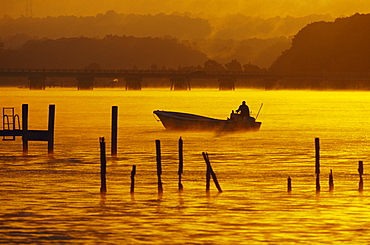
159	166
25	128
208	179
114	131
181	164
361	172
133	172
331	181
210	173
317	166
103	166
51	129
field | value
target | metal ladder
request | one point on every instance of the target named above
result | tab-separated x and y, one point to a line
10	121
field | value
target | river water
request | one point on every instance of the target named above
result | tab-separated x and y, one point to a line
56	199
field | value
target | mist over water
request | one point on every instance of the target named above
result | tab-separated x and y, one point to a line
201	7
56	199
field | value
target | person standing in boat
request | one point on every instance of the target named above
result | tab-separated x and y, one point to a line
244	110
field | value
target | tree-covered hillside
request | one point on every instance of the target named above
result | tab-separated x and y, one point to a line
339	46
110	52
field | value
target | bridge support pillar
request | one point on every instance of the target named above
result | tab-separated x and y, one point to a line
227	84
133	83
37	83
271	83
180	83
85	83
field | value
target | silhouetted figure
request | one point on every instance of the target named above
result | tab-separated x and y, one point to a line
244	110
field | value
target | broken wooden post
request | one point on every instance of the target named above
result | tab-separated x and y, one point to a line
159	166
51	129
289	185
25	128
317	166
208	179
114	131
210	172
133	172
103	166
181	163
360	172
331	181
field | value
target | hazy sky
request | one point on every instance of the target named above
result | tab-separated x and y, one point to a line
262	8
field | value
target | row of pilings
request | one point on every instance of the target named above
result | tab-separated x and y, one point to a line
331	176
210	173
48	135
209	170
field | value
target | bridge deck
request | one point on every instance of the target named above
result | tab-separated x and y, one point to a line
110	73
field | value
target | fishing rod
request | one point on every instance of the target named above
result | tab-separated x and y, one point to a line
259	110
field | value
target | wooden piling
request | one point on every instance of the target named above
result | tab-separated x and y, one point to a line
133	172
159	166
208	179
181	164
360	167
114	131
103	166
210	173
51	122
331	181
317	166
25	128
289	185
360	172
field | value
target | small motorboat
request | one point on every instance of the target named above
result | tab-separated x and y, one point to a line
185	121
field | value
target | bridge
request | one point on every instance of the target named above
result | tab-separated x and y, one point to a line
180	79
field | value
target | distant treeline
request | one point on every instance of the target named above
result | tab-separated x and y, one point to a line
181	26
110	23
247	39
113	52
339	46
110	52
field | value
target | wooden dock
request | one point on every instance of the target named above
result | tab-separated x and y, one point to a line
32	135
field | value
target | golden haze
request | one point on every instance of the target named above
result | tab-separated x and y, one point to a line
262	8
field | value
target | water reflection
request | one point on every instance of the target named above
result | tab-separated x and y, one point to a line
56	199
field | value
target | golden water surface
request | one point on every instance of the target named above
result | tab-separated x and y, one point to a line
57	199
